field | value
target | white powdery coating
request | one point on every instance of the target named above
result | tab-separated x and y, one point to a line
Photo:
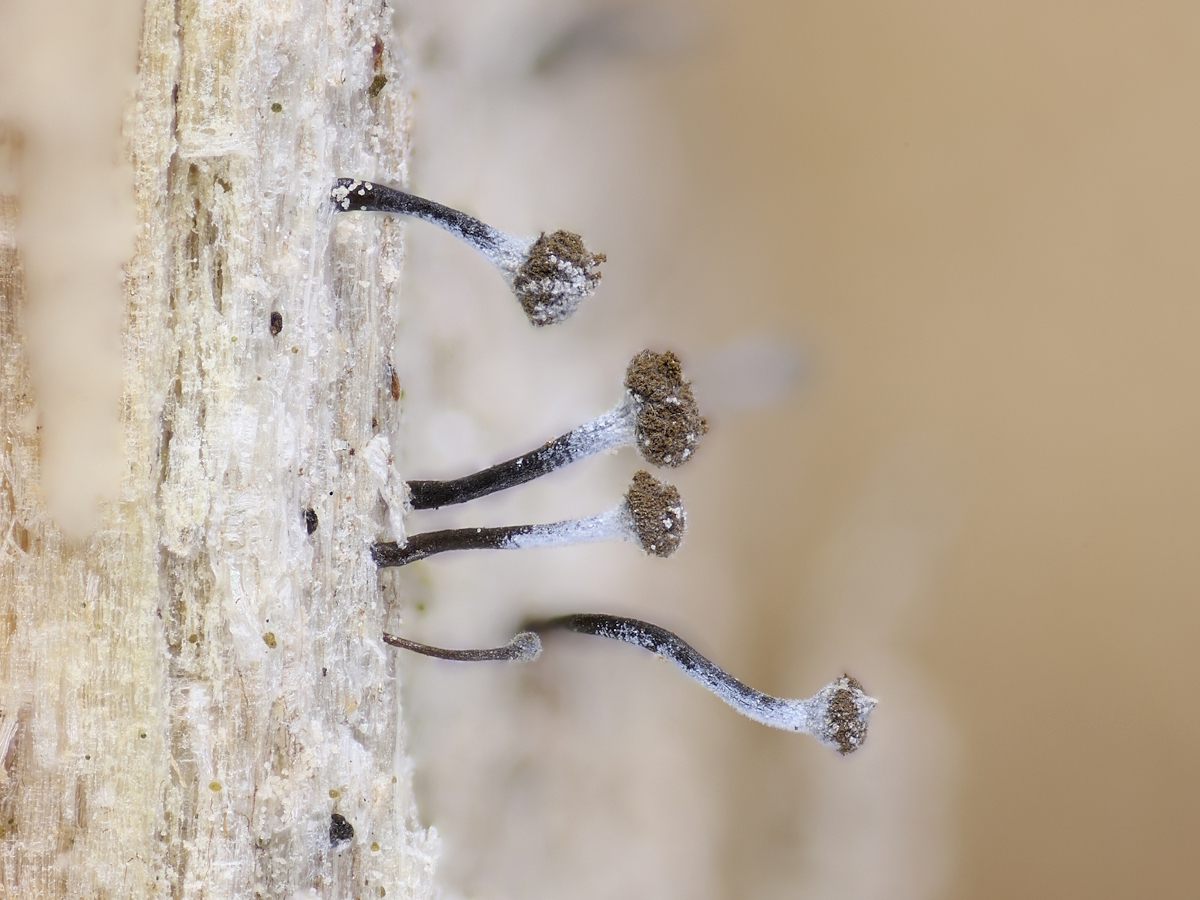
550	300
813	715
610	431
774	712
392	489
787	715
341	192
506	252
561	295
614	525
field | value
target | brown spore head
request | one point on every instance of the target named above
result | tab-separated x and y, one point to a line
657	511
555	277
843	723
669	423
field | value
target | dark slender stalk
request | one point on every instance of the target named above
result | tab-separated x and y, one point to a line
651	515
550	456
836	715
658	416
524	647
550	274
353	195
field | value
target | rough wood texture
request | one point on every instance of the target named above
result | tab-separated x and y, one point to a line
188	697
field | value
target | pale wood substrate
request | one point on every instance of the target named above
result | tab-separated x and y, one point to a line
187	698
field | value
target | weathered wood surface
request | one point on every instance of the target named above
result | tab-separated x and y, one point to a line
189	695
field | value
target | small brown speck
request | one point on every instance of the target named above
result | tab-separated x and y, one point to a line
276	107
310	520
276	322
334	793
269	639
395	386
214	786
377	84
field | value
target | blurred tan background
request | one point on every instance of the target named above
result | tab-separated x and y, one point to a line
985	221
973	230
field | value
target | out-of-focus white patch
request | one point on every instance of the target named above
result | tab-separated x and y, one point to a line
748	373
64	87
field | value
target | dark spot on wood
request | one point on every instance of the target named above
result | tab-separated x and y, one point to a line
276	107
340	831
377	84
310	520
276	323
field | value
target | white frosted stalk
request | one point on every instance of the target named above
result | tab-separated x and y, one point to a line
192	693
614	525
836	715
610	431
